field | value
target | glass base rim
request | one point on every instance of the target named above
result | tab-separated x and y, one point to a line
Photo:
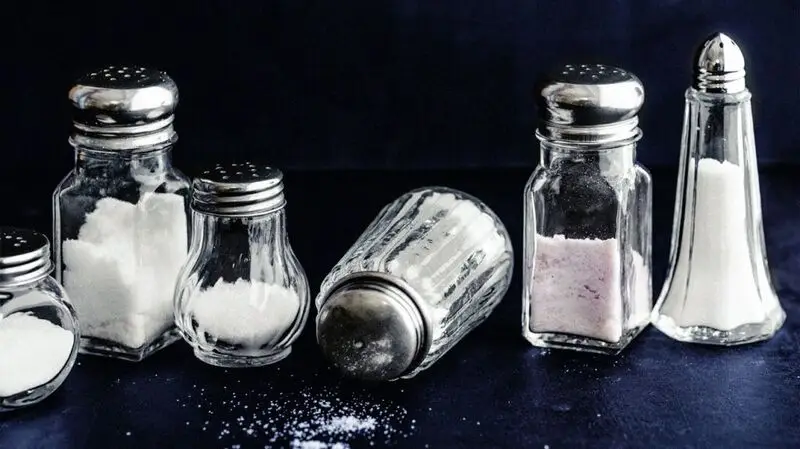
577	343
745	334
106	348
241	361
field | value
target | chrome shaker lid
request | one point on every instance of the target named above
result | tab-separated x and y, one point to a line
24	257
123	108
370	329
719	66
238	190
592	105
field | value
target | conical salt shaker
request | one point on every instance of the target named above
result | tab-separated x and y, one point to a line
718	289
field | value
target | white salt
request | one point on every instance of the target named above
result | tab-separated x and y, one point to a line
33	352
121	271
718	287
250	314
577	288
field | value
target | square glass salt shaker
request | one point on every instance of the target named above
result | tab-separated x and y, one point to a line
587	235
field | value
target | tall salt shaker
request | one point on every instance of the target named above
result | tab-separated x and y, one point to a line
587	235
120	216
242	298
718	289
39	336
429	268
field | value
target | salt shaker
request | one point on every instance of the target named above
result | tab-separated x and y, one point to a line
120	216
718	289
39	336
587	231
242	298
429	268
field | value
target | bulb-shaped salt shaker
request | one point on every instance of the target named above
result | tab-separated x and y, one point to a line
39	336
242	297
718	289
429	268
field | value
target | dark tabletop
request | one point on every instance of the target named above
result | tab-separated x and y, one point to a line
492	390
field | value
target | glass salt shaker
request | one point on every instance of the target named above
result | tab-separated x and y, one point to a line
120	216
39	336
429	268
718	289
587	235
242	298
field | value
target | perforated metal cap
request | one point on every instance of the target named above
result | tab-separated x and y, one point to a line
719	66
592	105
371	330
123	108
238	190
24	257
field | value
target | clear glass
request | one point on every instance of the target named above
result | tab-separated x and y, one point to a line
121	236
587	282
39	342
718	289
451	249
242	298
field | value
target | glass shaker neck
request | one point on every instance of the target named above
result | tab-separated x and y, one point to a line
240	234
613	159
155	161
718	125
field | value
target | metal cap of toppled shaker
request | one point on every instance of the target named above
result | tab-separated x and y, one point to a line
238	190
370	330
589	105
123	108
719	66
24	257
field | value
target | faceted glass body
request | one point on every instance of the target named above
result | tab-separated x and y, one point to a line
242	298
39	342
718	289
587	236
120	237
448	248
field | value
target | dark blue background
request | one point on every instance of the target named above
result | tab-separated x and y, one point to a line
382	83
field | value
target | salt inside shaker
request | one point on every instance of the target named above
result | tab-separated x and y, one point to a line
120	216
587	234
718	288
39	335
242	297
429	268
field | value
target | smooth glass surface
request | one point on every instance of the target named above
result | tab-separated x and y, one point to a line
122	288
587	249
718	288
41	328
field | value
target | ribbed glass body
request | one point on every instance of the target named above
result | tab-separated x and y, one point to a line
120	236
445	246
718	288
587	236
242	298
39	340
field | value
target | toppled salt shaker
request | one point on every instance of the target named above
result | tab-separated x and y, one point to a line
587	235
120	225
39	336
718	289
242	298
429	268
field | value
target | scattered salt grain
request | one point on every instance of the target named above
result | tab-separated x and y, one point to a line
309	418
